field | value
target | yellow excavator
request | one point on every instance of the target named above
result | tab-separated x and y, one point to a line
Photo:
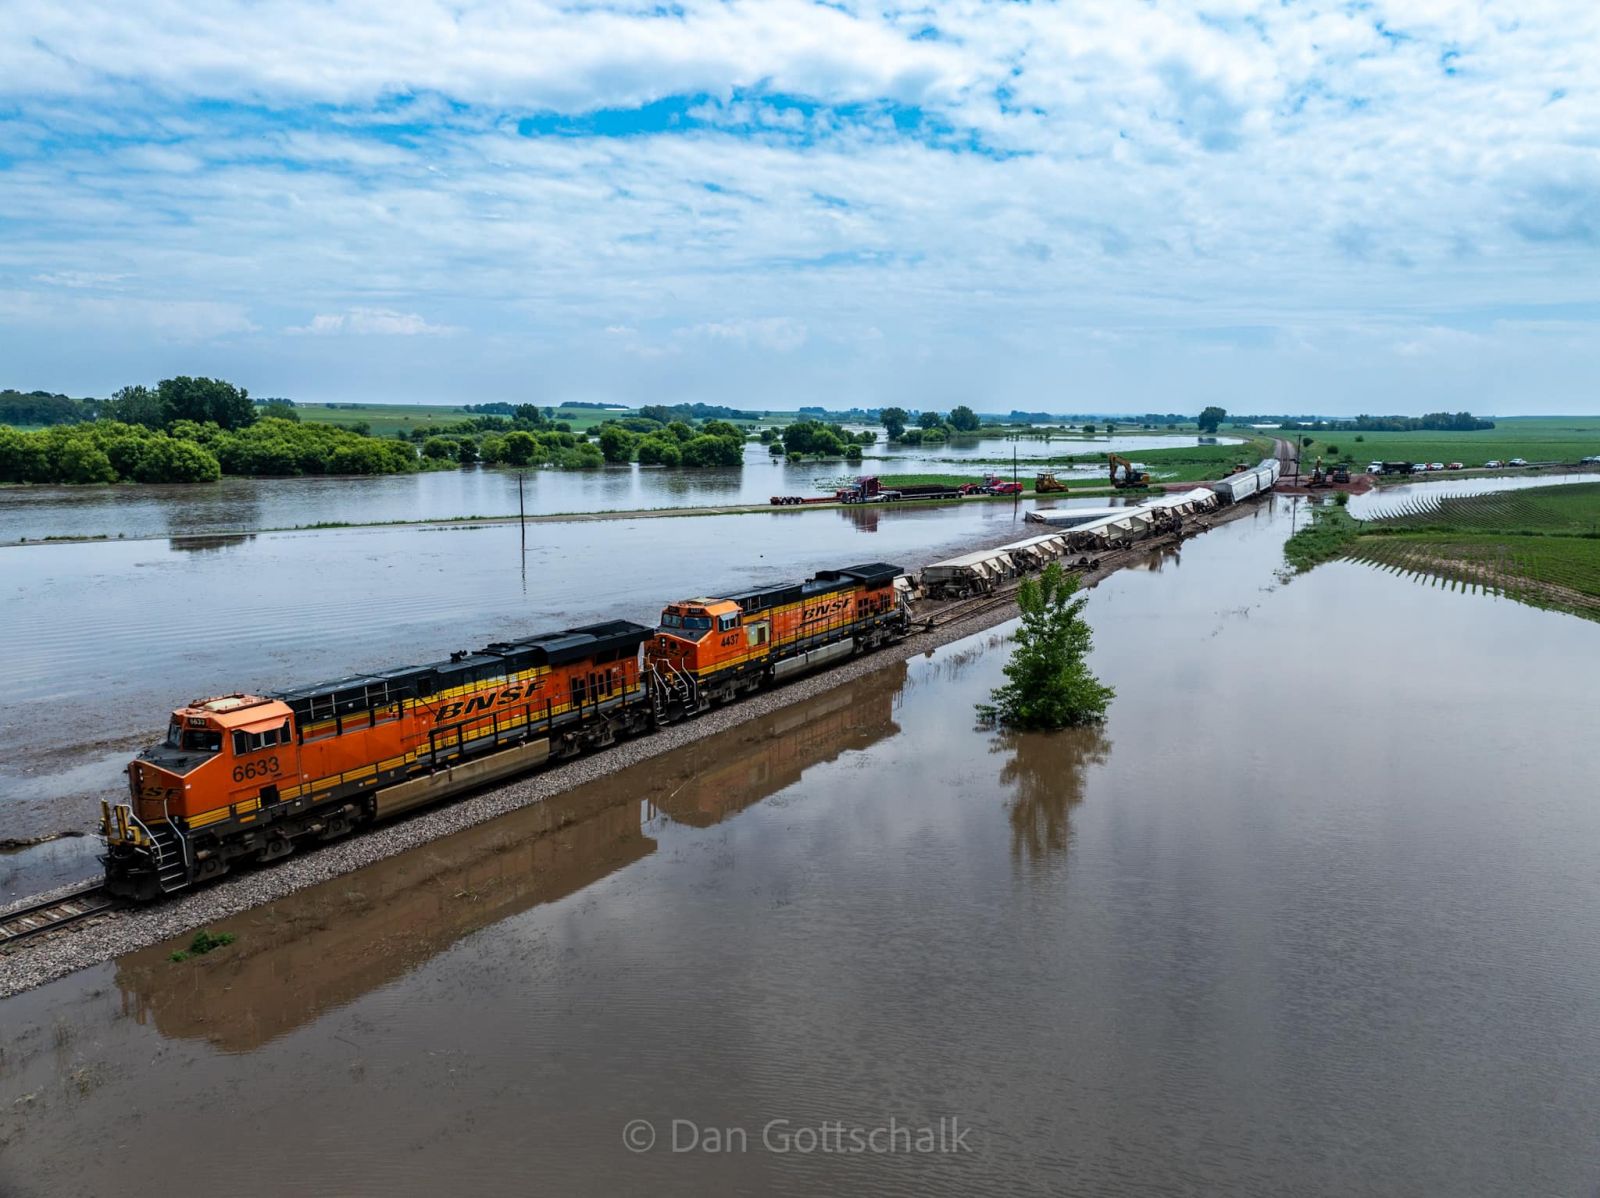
1130	476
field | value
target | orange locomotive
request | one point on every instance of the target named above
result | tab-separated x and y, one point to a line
244	778
712	650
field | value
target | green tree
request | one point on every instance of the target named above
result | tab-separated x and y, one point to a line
280	409
80	460
660	451
437	449
1048	682
617	444
929	420
202	399
713	451
1211	419
520	448
136	405
963	419
681	431
894	421
1089	429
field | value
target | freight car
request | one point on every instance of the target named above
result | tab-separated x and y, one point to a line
244	778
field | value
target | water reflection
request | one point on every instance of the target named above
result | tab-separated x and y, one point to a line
327	946
708	782
210	544
1045	774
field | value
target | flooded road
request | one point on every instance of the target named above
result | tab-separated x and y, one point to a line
250	504
1315	913
116	634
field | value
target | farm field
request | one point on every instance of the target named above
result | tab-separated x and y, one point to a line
1535	438
387	419
1539	546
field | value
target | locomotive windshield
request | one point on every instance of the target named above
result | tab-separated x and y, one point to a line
696	623
193	740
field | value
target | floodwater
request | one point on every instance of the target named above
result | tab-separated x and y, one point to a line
112	635
248	504
1315	912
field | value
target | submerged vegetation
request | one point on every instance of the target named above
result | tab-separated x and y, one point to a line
1328	536
1539	546
203	943
1048	682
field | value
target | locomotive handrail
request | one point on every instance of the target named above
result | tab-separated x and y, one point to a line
183	841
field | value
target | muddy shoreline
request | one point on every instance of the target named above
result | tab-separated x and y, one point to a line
36	962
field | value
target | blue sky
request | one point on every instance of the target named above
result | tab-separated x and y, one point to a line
1122	206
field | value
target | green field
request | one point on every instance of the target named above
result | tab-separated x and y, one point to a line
1539	546
387	419
1535	438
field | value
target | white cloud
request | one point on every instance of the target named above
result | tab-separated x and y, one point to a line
378	322
1096	190
778	333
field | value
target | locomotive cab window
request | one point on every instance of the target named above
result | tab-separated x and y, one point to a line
727	623
250	742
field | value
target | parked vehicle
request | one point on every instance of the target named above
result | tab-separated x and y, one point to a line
1591	461
1517	462
1492	464
1435	465
1375	468
1455	466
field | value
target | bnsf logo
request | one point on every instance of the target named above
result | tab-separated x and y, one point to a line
484	702
832	607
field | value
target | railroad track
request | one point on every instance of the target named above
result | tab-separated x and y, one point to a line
49	914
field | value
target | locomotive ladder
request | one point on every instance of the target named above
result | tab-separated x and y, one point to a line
171	852
673	684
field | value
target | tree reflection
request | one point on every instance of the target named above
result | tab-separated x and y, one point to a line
1046	775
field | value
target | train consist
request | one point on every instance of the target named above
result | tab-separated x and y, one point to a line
241	778
249	777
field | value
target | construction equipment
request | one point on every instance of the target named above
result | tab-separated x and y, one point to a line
1046	484
1131	477
1341	473
1318	478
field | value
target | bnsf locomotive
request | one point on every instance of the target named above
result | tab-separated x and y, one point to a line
245	778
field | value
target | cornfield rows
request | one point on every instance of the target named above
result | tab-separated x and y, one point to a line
1563	510
1540	547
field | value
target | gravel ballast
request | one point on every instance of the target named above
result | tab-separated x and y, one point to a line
54	955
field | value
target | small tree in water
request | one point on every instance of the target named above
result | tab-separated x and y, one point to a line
1049	685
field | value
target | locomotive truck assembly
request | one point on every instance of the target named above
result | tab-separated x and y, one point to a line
245	779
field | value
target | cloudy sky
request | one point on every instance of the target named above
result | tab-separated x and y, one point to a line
1374	206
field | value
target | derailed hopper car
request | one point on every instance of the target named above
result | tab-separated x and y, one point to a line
970	574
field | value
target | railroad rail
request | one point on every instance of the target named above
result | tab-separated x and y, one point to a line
48	914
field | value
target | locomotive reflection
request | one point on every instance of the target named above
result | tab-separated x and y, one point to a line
326	947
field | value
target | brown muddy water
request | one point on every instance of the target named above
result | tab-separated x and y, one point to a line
1315	912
